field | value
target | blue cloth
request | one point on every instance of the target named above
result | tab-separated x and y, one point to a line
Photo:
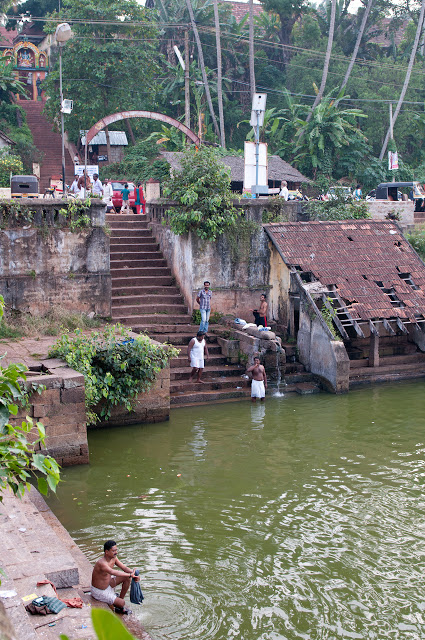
136	595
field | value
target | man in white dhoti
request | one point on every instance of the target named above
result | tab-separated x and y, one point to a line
197	352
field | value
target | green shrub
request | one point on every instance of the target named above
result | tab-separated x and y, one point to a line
338	208
417	240
115	366
202	191
196	316
9	164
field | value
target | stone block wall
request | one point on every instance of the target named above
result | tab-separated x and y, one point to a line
152	406
43	265
379	209
61	409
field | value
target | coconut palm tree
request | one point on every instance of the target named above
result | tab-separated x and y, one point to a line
327	60
202	65
251	48
219	75
407	78
357	45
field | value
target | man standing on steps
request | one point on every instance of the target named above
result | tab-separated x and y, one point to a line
204	300
197	351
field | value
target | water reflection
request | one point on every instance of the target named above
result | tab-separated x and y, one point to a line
302	518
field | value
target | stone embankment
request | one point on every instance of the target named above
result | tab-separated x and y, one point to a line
61	407
36	547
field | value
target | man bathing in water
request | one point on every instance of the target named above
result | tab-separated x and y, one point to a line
106	577
259	381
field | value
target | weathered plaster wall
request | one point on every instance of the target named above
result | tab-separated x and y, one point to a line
279	280
42	269
236	283
379	210
238	268
319	353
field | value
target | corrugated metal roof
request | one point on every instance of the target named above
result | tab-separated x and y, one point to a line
361	258
117	138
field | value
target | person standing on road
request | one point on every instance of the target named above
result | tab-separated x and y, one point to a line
284	191
74	187
197	352
140	201
108	193
125	208
259	381
84	186
97	188
204	300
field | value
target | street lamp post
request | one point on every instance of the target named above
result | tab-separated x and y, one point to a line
63	34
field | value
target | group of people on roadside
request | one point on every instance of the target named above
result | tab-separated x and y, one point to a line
197	349
82	187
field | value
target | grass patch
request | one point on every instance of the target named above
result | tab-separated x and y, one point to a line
17	325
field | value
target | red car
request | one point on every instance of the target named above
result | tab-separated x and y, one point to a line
117	186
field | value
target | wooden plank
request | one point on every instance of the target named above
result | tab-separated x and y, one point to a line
401	326
387	326
373	329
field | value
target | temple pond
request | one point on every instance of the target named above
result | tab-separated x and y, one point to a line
303	518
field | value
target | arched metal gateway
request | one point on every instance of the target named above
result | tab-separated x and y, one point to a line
124	115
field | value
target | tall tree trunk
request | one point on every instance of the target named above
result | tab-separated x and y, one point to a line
108	145
251	48
219	74
327	59
407	78
202	65
357	45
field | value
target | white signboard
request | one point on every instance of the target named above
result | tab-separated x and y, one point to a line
250	165
91	170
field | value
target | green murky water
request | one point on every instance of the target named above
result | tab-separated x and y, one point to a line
300	519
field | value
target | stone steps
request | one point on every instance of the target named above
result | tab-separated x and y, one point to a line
417	357
131	310
47	141
184	399
367	375
155	300
147	272
182	373
130	279
129	261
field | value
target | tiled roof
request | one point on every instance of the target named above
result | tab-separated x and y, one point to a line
6	37
361	258
240	9
382	34
278	169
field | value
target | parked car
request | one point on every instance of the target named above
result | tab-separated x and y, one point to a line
118	186
339	192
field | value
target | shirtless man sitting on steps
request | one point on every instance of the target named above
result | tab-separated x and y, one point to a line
106	577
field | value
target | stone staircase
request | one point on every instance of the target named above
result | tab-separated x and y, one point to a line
403	361
49	143
146	298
